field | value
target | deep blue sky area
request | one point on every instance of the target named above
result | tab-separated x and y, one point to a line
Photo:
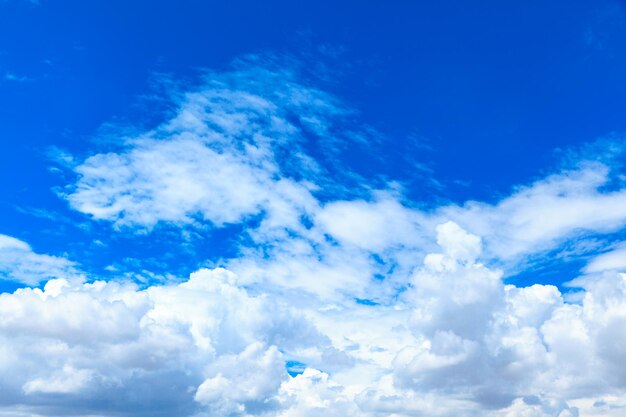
486	91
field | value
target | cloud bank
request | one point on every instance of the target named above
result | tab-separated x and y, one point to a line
344	298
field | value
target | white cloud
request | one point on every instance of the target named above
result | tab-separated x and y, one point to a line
204	344
245	383
232	150
312	394
374	226
392	309
169	181
67	381
18	262
612	260
238	149
458	341
496	343
541	216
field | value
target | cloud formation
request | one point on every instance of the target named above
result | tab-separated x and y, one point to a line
111	348
18	262
542	215
387	308
459	341
234	148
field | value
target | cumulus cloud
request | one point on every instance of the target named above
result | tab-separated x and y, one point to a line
457	342
204	344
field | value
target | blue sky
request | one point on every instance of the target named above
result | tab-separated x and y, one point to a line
484	96
255	183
